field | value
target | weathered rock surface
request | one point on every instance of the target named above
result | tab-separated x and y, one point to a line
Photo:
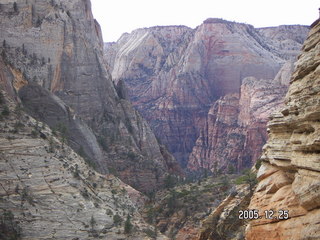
235	129
178	212
223	223
175	74
51	193
289	177
58	46
286	39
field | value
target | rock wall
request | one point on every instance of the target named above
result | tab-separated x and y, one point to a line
289	176
49	192
175	74
58	46
235	129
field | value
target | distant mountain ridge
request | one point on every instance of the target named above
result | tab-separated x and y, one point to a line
175	74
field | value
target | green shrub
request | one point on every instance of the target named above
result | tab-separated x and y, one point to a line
170	181
76	172
92	222
150	233
117	220
231	169
5	111
9	229
15	7
27	196
131	155
2	100
128	225
258	164
248	177
34	133
103	143
85	193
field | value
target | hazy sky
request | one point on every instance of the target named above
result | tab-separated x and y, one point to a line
120	16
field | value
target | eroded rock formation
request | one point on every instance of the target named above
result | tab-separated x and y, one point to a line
57	45
47	191
235	129
175	75
289	178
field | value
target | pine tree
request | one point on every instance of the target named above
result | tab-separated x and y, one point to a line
15	7
128	225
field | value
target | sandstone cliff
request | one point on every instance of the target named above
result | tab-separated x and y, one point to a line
176	74
235	129
289	176
52	54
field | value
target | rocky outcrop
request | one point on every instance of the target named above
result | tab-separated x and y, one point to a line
286	39
289	176
235	129
57	45
179	212
224	222
175	74
47	191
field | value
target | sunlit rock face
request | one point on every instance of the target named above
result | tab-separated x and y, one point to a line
289	176
176	75
52	54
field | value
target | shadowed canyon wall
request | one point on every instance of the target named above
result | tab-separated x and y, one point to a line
52	54
188	82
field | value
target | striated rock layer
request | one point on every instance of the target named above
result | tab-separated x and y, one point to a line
175	74
52	54
49	192
235	129
289	178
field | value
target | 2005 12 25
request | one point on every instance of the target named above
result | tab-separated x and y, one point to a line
252	214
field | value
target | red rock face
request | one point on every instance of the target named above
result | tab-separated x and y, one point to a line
235	129
174	81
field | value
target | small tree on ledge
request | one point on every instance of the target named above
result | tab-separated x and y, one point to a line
128	225
15	7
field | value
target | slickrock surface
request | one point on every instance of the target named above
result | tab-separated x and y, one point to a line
52	193
58	46
176	74
289	178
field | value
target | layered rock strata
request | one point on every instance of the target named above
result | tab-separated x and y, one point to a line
57	45
290	173
175	74
235	129
47	191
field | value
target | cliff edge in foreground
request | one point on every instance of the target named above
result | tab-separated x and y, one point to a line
289	178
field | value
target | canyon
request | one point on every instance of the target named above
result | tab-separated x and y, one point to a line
52	59
78	159
202	88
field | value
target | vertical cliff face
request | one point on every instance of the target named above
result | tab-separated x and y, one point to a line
175	75
235	129
54	50
289	176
